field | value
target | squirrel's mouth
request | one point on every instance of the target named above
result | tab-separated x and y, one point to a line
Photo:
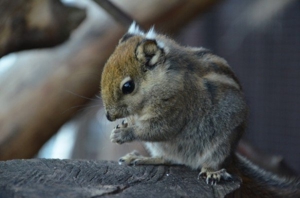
109	117
113	116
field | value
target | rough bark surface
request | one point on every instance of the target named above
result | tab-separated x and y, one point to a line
79	178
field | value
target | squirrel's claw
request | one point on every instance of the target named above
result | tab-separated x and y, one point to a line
214	177
130	158
124	124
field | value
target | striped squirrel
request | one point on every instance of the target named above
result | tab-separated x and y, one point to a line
187	106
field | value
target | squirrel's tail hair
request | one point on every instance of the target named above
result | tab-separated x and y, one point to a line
257	182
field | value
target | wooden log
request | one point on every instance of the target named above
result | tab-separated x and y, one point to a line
40	91
27	24
80	178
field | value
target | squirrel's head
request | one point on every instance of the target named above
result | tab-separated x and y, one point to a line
126	79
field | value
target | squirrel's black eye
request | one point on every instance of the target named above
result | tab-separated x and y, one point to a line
128	87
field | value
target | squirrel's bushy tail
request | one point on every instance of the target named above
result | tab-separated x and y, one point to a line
257	182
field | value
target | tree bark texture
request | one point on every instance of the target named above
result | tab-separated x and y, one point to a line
79	178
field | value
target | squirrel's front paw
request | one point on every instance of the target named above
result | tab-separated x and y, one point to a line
124	124
214	177
121	133
118	136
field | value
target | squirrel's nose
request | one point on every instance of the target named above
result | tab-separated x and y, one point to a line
108	116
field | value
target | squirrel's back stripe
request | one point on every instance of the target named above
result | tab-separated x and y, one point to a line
221	78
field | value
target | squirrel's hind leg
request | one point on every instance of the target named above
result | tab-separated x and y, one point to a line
214	177
135	158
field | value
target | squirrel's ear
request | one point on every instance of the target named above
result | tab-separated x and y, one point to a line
149	53
125	37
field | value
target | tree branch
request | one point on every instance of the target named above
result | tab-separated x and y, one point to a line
27	24
119	15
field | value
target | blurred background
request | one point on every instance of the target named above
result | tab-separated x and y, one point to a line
53	53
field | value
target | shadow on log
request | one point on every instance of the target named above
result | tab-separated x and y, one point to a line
79	178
